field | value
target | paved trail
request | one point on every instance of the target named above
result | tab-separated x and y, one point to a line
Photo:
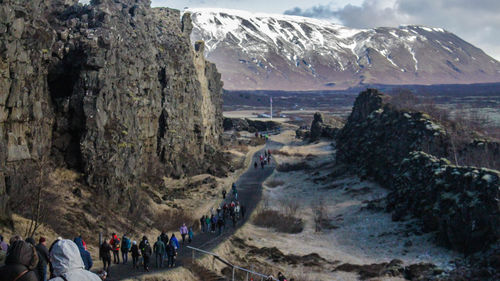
249	187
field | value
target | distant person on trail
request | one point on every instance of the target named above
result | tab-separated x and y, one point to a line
224	194
190	235
115	244
242	211
135	254
171	255
262	164
68	265
265	153
125	248
146	252
43	259
213	223
220	225
207	222
87	259
105	255
174	242
202	224
184	232
164	239
20	263
255	165
159	250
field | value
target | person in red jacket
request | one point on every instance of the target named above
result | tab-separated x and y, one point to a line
115	245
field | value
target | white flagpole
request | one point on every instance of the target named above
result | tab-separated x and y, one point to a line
271	102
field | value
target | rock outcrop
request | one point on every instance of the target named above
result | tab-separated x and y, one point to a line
113	89
387	144
245	124
324	127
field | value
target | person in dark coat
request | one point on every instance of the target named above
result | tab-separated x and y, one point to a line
43	259
87	259
146	252
134	250
170	249
105	254
20	263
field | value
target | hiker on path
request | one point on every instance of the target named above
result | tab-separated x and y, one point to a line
190	235
242	211
281	277
125	248
51	269
115	244
146	252
207	222
224	194
184	232
237	211
171	255
202	223
262	164
255	165
219	211
68	264
164	239
213	223
174	242
20	263
43	259
105	255
159	250
87	259
134	250
220	225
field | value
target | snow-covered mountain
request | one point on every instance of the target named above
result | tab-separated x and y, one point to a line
278	52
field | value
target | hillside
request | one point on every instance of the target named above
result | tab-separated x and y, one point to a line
278	52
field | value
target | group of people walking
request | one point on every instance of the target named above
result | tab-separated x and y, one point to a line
229	210
264	159
67	260
70	260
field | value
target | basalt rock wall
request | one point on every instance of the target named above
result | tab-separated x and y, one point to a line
113	89
386	144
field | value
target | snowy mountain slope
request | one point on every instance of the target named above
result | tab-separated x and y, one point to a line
278	52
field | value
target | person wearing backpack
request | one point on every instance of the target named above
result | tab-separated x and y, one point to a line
146	252
171	255
87	259
174	242
68	264
134	250
190	235
159	250
20	263
105	254
115	244
125	248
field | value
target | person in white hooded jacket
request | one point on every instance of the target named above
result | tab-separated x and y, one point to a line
68	264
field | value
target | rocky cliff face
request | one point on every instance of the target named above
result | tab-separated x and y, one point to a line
113	89
387	145
324	127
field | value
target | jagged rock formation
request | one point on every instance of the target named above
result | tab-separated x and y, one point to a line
386	144
324	127
113	89
252	126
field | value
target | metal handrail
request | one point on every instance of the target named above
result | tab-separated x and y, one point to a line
230	264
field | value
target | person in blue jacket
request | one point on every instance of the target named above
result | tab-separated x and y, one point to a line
126	245
174	242
87	259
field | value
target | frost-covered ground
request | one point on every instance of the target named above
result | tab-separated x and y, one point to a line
362	236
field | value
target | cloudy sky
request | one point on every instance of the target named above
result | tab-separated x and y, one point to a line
476	21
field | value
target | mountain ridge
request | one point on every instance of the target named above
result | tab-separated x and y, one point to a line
271	52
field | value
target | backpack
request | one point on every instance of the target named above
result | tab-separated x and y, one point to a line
116	243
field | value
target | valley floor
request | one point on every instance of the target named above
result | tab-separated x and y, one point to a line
357	234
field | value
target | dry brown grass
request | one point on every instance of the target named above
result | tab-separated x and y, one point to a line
173	219
275	183
279	221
